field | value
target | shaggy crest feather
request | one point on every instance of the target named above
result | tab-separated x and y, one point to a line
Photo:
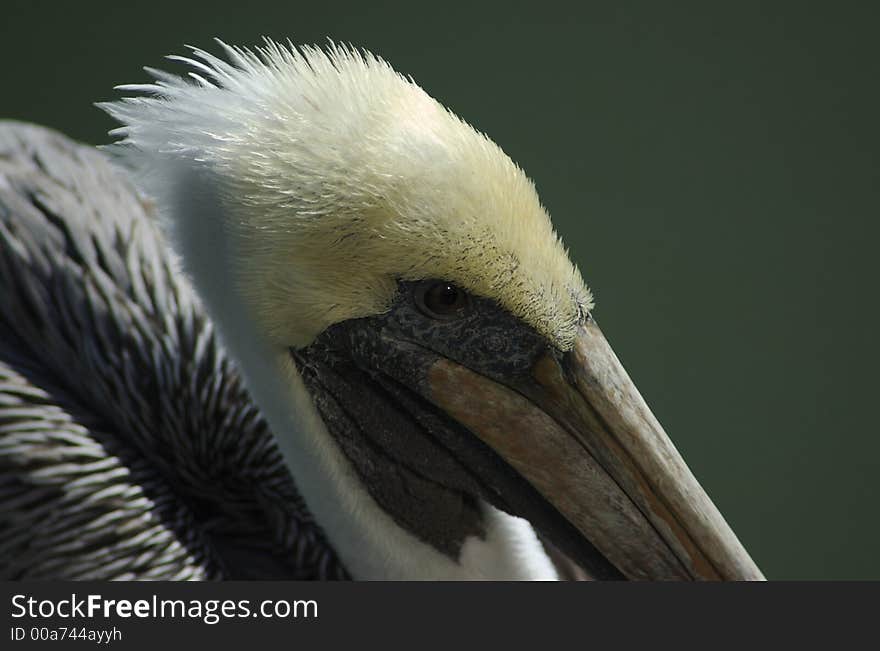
334	176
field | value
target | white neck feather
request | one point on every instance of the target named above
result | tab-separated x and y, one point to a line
369	542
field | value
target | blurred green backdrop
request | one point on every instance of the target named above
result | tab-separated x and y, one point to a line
714	171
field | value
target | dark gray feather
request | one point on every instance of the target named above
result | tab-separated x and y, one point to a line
129	448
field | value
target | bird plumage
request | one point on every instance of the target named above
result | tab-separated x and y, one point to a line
318	163
129	448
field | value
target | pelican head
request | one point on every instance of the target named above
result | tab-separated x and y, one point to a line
413	328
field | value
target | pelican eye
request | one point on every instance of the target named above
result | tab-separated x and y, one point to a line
441	300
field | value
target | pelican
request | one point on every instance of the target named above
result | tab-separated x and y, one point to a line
400	308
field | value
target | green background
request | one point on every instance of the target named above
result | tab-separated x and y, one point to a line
714	170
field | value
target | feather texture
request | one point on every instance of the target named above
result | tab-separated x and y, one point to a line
129	448
333	177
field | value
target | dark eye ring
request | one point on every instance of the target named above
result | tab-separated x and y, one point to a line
440	299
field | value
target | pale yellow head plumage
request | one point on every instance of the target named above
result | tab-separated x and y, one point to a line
337	177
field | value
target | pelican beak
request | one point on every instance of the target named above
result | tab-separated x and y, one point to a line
577	430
